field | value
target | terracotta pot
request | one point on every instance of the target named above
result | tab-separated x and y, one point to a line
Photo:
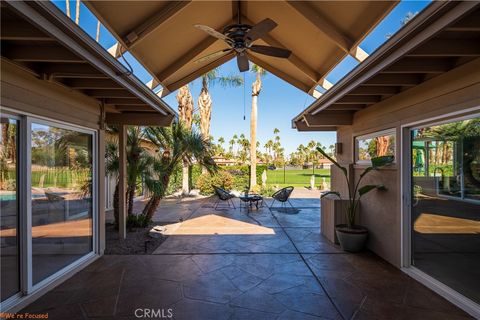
351	239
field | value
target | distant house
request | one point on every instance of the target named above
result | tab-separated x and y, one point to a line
324	164
222	161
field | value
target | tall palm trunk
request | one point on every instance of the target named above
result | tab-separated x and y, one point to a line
205	108
67	7
256	88
185	110
77	12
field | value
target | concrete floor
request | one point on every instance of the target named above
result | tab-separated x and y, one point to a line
226	264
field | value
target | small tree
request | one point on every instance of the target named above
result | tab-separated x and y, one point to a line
177	145
356	192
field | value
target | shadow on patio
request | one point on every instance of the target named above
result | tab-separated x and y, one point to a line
226	264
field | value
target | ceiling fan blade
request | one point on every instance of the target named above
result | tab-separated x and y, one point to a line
212	55
242	62
260	29
271	51
212	32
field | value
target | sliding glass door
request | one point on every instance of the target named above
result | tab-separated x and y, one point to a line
47	202
445	213
9	209
61	197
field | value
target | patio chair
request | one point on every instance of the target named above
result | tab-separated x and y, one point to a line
282	196
223	195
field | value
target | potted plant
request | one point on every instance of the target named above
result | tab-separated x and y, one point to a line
352	237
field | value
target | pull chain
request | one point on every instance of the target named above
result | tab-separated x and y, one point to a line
244	91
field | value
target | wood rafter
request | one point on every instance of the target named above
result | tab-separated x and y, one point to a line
360	99
29	53
194	75
140	31
362	90
300	85
68	70
124	101
108	93
331	118
138	119
92	84
302	126
406	80
419	65
448	48
18	31
186	58
353	107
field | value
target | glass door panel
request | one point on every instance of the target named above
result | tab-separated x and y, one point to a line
446	204
61	195
9	209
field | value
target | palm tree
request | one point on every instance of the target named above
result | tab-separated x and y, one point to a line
256	89
177	145
77	12
138	161
235	138
205	101
67	7
185	111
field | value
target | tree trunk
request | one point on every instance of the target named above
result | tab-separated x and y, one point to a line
130	196
116	207
185	179
97	34
67	7
256	88
151	207
185	111
77	12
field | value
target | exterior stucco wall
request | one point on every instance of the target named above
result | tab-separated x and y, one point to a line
454	91
23	92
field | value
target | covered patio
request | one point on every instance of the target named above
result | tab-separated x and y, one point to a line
229	265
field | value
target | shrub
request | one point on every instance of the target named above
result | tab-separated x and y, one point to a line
137	221
222	179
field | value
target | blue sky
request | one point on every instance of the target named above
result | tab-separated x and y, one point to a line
278	102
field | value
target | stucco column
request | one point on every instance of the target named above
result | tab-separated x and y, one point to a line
122	174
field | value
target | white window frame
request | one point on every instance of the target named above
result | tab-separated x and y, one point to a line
28	290
435	285
386	132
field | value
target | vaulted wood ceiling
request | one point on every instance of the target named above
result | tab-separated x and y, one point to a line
162	36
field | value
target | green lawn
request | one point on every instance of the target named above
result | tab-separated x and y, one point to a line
297	178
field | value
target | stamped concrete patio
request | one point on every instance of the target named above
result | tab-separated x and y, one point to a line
228	264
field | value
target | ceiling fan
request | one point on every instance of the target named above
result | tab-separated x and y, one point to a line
240	38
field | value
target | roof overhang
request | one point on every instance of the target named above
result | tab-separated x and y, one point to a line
442	37
39	38
161	35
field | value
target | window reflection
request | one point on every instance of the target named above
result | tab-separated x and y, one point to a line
446	207
375	146
62	207
9	250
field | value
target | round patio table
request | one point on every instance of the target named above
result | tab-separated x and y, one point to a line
250	200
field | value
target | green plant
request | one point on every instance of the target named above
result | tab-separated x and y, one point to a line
221	179
355	192
137	221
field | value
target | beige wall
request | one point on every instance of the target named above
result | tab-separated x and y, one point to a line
454	91
23	92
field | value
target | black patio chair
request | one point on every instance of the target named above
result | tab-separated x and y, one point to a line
223	195
282	196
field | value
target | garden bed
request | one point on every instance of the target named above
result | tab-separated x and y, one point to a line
138	241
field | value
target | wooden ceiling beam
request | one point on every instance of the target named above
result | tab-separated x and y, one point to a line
352	107
108	93
68	70
302	126
139	119
197	73
132	108
404	80
153	22
21	31
295	82
30	53
362	90
322	24
419	65
329	118
124	101
360	99
92	84
470	23
186	58
448	48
